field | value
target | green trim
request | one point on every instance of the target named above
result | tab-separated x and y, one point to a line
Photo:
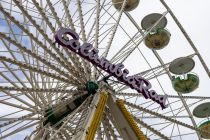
203	124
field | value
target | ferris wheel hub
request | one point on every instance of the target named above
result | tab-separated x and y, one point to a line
91	87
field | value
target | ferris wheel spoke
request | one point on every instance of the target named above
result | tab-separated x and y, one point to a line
24	94
51	90
125	49
82	67
91	39
54	13
162	127
68	15
96	22
24	49
67	64
16	106
151	129
96	34
73	57
17	98
12	54
20	129
114	30
22	118
13	73
34	69
41	11
19	5
81	21
10	70
148	77
95	37
29	95
109	30
10	119
92	10
164	117
143	35
103	35
182	109
178	110
68	67
169	96
86	65
174	115
27	117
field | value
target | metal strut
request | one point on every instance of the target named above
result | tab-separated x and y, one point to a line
93	118
125	123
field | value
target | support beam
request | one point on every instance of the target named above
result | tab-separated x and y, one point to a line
130	120
124	127
93	118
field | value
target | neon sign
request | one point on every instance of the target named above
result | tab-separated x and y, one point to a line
89	53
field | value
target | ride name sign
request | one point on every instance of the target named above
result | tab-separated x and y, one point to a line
89	53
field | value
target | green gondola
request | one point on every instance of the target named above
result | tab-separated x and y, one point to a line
186	85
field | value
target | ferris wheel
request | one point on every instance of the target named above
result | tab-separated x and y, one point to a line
99	69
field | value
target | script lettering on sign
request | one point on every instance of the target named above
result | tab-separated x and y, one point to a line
89	53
